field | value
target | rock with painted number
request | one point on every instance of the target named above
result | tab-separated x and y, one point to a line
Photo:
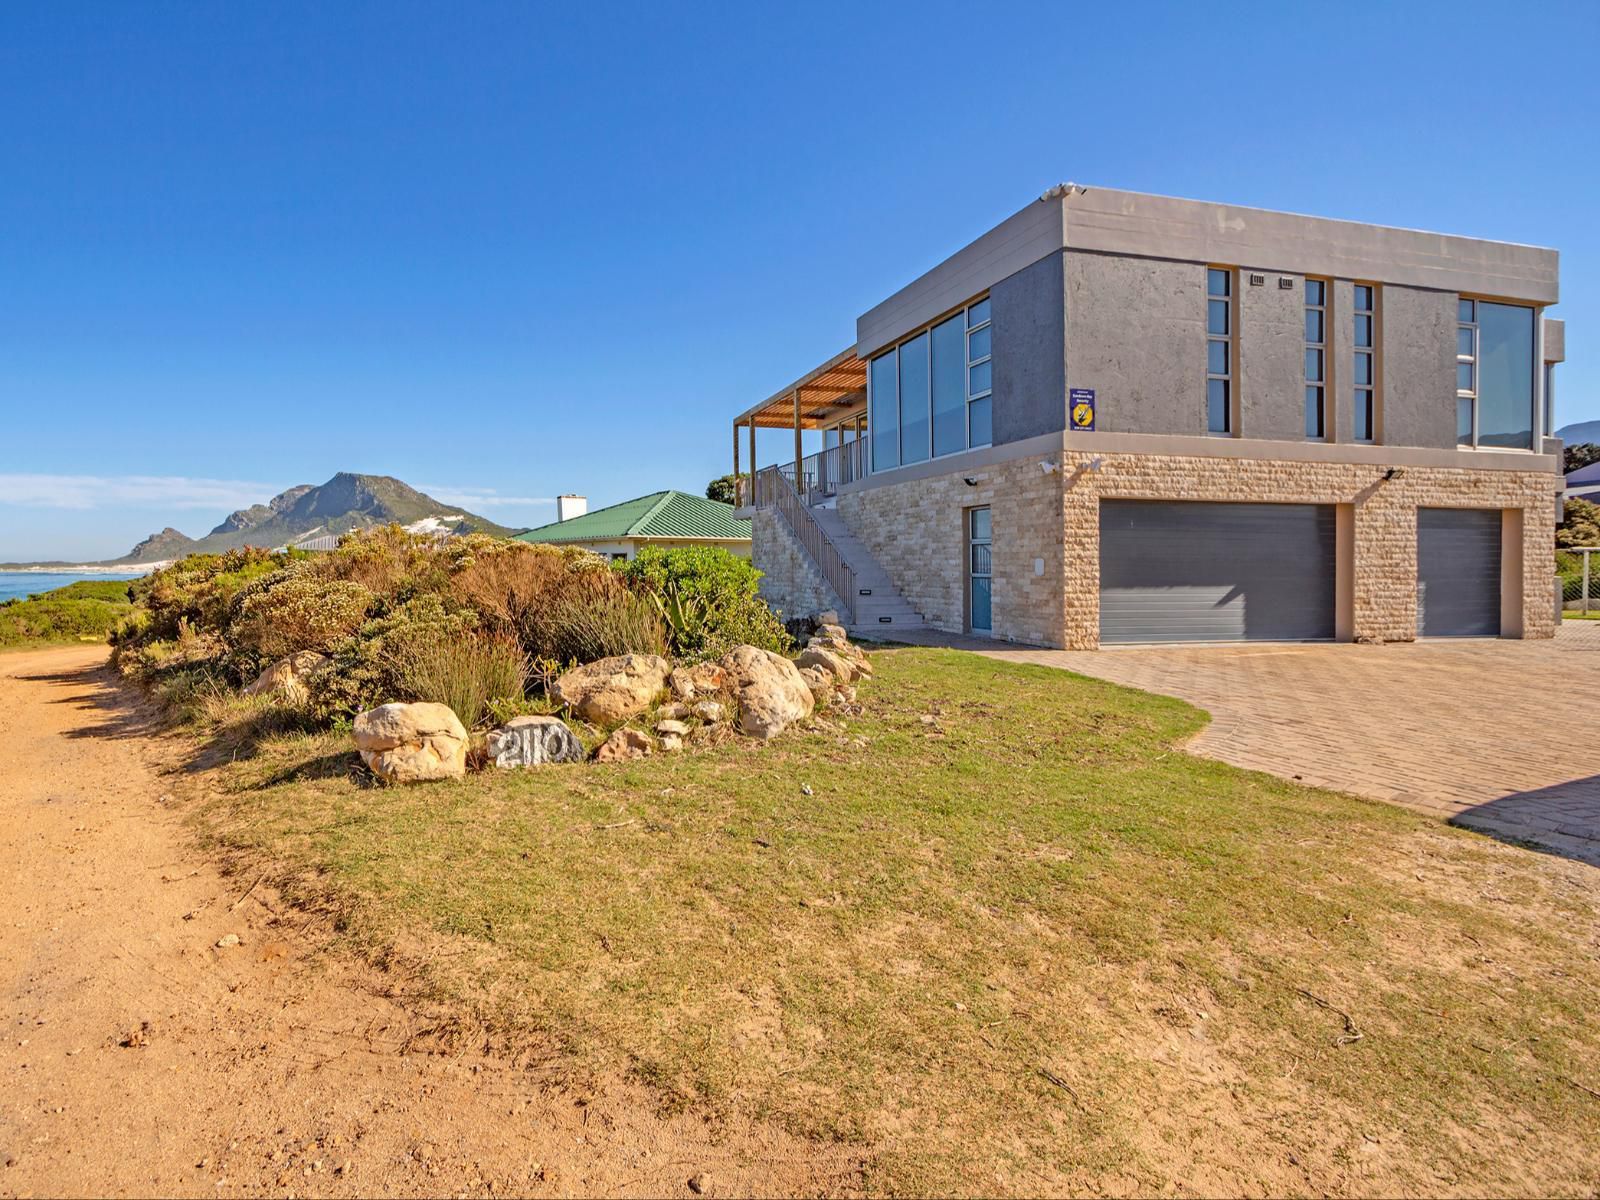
534	741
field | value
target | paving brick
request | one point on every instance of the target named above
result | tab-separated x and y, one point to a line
1474	730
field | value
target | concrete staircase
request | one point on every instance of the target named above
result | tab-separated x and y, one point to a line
883	610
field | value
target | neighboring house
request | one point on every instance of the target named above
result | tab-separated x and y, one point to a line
1128	418
1583	484
661	518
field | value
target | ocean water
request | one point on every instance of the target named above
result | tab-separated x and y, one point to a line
14	585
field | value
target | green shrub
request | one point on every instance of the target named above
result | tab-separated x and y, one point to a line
708	600
468	673
201	589
23	621
295	610
604	623
1580	524
366	666
112	591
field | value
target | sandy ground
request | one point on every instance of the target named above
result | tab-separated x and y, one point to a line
138	1056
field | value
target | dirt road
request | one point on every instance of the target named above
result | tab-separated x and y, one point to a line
145	1054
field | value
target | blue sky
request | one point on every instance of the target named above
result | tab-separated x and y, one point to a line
507	251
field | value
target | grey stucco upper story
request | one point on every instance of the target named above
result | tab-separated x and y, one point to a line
1101	289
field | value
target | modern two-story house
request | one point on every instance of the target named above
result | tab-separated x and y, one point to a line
1125	418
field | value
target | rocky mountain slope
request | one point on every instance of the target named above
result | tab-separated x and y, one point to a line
345	502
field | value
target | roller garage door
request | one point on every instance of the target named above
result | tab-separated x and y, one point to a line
1458	572
1193	571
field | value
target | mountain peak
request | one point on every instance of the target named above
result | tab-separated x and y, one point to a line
348	501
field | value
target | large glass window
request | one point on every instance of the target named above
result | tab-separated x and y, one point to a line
884	405
1219	350
931	395
1316	359
1494	375
914	400
1365	362
950	386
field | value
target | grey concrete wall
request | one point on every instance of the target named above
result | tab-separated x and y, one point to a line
1135	333
1120	222
1417	366
1555	340
1017	242
1271	372
1029	345
1341	368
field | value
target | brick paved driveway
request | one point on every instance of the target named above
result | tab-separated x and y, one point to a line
1499	735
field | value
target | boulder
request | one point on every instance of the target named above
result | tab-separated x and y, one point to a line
671	743
699	682
286	678
533	741
412	743
820	683
837	665
832	630
827	616
622	745
671	728
708	711
611	690
771	691
676	711
847	650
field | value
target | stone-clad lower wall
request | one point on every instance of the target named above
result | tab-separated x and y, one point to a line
791	582
916	532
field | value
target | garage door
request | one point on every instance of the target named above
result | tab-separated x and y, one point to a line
1199	572
1458	572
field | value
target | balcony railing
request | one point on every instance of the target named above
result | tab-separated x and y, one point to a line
820	475
774	488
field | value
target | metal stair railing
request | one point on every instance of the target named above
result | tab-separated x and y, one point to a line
775	489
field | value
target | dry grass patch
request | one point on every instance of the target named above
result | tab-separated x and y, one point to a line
1012	940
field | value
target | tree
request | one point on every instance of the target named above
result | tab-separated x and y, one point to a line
726	488
1580	525
1584	454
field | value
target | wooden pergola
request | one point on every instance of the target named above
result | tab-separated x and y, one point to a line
817	400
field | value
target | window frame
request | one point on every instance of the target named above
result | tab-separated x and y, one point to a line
963	313
1320	384
1474	395
1469	359
1365	393
1230	339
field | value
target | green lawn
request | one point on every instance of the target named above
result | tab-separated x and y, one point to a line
1027	945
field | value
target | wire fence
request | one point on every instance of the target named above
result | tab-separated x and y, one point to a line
1579	572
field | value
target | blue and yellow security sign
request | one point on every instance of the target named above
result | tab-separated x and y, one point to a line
1081	407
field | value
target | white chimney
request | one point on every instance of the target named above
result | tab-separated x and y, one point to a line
570	506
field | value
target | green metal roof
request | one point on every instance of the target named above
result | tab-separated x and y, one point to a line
658	515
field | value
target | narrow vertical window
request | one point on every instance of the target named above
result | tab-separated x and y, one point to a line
980	376
1365	364
1466	372
1219	350
1316	359
980	570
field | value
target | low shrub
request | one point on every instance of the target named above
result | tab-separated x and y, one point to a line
708	600
470	673
43	620
294	610
514	587
605	622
